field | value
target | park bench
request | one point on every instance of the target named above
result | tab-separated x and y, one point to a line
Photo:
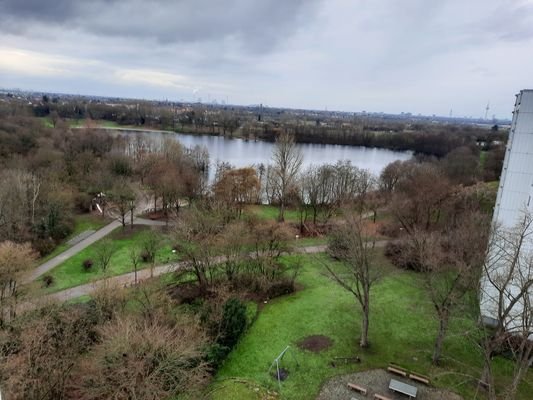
381	397
419	378
397	370
357	388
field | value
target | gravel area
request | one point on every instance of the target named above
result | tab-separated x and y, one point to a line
377	381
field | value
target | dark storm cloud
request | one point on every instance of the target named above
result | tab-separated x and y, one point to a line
253	25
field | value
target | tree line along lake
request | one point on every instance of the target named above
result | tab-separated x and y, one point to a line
244	153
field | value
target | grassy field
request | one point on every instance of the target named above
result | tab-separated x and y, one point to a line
78	123
71	273
402	330
272	213
82	223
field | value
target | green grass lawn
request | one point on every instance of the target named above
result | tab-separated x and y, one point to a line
71	273
78	123
402	330
272	213
82	223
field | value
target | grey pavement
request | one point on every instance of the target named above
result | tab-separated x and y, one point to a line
128	279
99	234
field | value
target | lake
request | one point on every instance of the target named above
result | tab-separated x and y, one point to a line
244	153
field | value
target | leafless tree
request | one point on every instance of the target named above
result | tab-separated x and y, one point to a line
287	160
135	258
357	272
104	252
15	259
506	296
48	347
144	360
451	265
122	198
195	235
151	244
237	187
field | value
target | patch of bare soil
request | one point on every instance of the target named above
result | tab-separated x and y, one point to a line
315	343
377	381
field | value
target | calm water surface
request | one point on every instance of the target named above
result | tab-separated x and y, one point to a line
243	153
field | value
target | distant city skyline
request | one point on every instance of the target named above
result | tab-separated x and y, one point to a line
380	56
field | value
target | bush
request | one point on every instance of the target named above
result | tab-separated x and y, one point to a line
48	280
402	255
215	354
44	246
146	256
87	264
233	322
281	288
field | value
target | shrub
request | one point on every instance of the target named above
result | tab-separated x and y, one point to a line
402	255
215	354
233	322
48	280
146	256
87	264
44	246
281	288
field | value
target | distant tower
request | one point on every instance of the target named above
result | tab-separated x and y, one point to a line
451	113
487	110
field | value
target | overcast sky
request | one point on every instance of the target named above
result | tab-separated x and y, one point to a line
376	55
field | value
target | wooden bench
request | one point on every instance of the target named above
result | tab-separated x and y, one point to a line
357	388
397	370
381	397
419	378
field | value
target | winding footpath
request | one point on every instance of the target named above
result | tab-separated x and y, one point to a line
128	279
71	251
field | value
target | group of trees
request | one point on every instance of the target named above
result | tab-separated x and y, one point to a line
104	350
440	227
242	252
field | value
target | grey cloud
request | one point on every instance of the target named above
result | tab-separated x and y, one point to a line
254	26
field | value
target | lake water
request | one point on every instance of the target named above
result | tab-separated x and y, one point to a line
243	153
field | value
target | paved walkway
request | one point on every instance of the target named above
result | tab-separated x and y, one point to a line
129	279
99	234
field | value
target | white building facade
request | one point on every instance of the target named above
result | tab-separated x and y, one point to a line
514	203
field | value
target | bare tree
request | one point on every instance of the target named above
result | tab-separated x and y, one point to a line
237	187
287	160
451	265
195	235
151	243
506	300
135	258
357	273
104	252
14	260
143	360
47	350
122	199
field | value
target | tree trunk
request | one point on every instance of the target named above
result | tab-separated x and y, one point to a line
364	328
437	349
281	217
486	382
